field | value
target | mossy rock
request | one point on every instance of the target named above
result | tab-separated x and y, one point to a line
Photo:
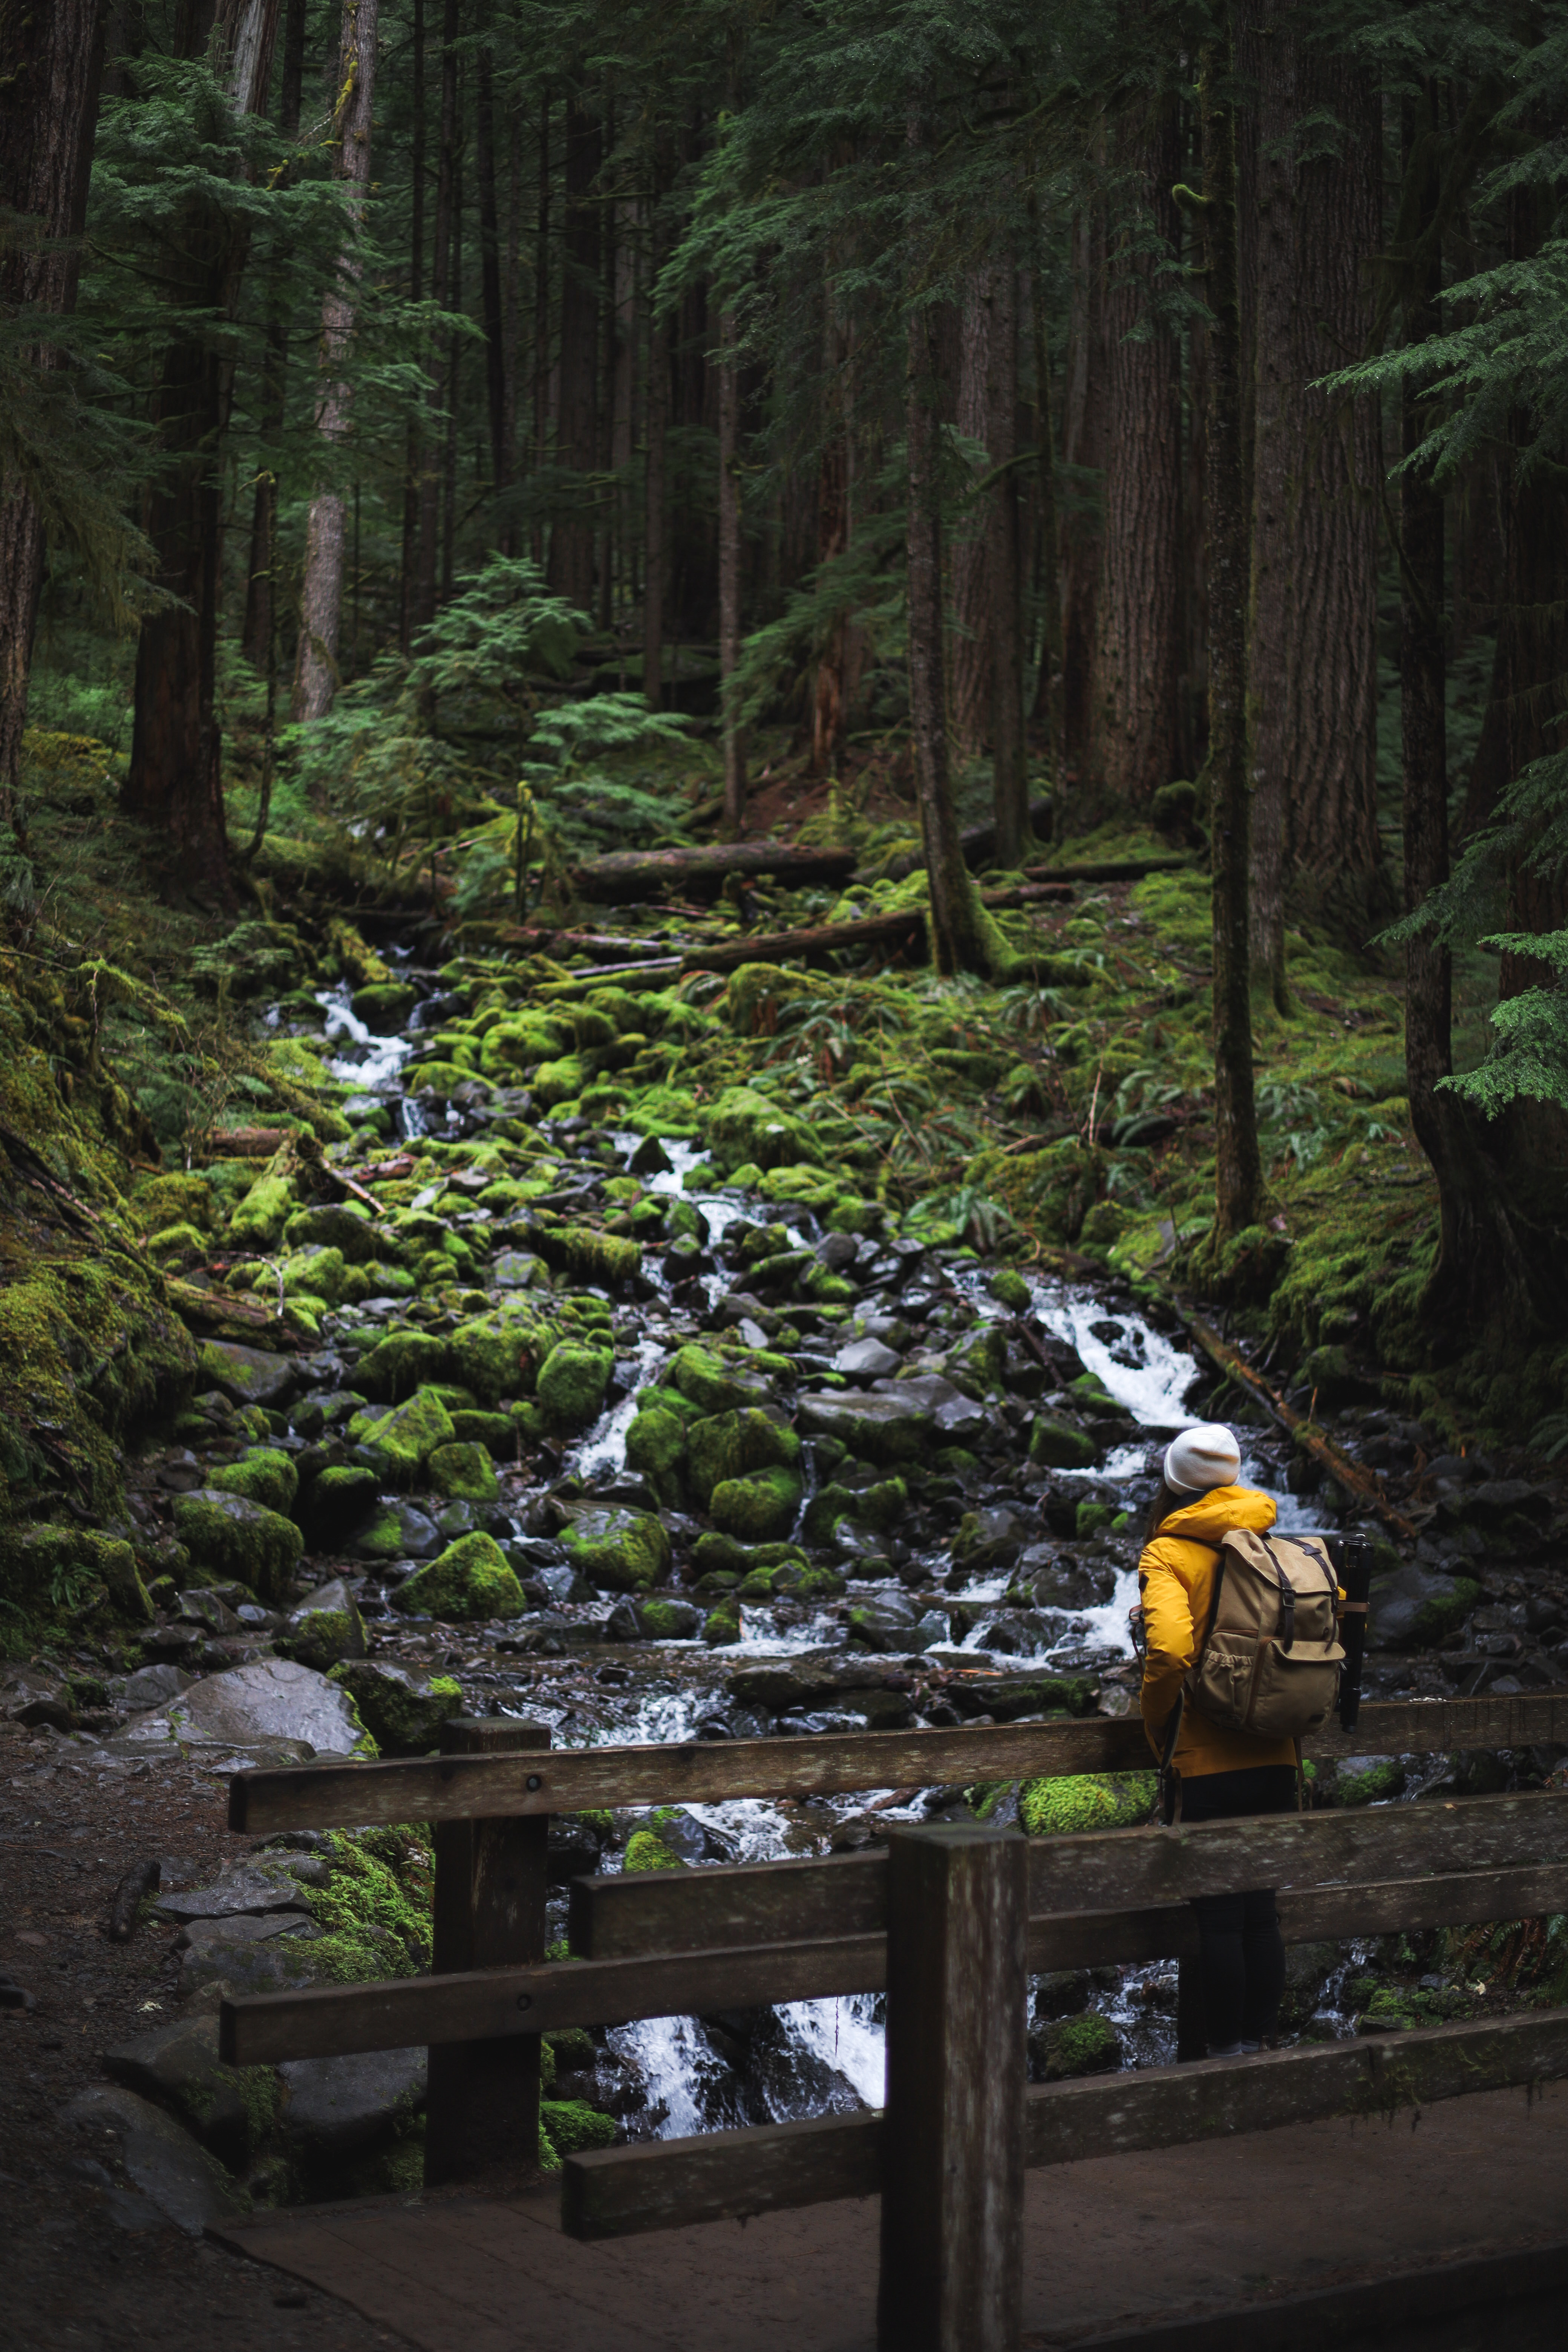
44	1565
464	1472
497	1355
497	1431
402	1712
175	1200
337	1499
714	1382
384	1005
558	1082
403	1440
342	1225
325	1630
258	1222
757	1509
571	2124
1369	1780
1060	1807
607	1259
177	1240
267	1477
1089	1517
472	1579
617	1550
1009	1289
400	1363
732	1445
657	1443
572	1383
1058	1446
645	1849
1081	2045
743	1124
231	1536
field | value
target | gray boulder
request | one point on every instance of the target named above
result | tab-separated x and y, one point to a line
341	2106
152	1687
274	1699
161	2159
228	2108
244	1375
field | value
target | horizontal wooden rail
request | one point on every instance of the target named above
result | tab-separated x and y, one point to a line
484	2004
671	2184
458	1788
734	1904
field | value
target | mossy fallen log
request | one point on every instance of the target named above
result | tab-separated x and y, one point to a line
627	876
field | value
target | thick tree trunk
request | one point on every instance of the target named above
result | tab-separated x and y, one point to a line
175	777
1238	1168
838	662
730	572
440	288
321	595
48	114
1313	667
258	637
1138	658
490	273
654	538
407	578
1083	455
1005	545
1048	703
454	375
541	281
968	556
572	536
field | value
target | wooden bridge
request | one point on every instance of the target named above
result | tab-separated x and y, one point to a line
950	1921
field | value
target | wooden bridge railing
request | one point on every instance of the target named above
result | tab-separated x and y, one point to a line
949	1920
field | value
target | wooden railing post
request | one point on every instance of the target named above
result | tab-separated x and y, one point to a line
952	2135
482	2115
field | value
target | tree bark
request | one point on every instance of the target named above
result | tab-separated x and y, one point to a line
1136	707
321	594
423	610
453	389
541	277
258	637
408	591
968	556
1004	541
571	569
654	558
834	683
730	572
1048	703
491	272
1083	456
1313	664
49	114
175	776
1239	1172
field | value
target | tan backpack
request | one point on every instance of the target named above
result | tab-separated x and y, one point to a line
1269	1660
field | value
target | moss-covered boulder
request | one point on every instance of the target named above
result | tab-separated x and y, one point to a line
246	1376
560	1081
396	1530
499	1355
1063	1806
338	1500
1413	1606
496	1432
402	1712
265	1476
645	1849
466	1473
259	1219
470	1579
617	1550
400	1363
228	1535
572	1383
757	1509
1369	1780
657	1443
608	1259
732	1445
344	1225
1058	1446
570	2125
1069	2046
324	1630
743	1124
385	1007
402	1441
716	1383
1009	1289
44	1566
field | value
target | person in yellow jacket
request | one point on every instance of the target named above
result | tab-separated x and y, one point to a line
1228	2002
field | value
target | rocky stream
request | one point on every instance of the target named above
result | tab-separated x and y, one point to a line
645	1426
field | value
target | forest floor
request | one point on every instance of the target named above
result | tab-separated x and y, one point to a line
571	1286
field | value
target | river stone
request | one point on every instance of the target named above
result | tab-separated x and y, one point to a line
398	1531
617	1550
333	1225
239	1538
228	2108
325	1628
162	2159
1058	1446
1412	1606
898	1420
244	1375
271	1699
341	2106
472	1578
204	1605
400	1443
517	1270
152	1685
245	1927
866	1359
248	1890
402	1711
242	1963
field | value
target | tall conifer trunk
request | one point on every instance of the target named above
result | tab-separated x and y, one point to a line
429	557
1004	549
969	554
48	114
1239	1172
490	273
259	635
322	588
655	557
175	781
571	537
407	580
1083	455
730	571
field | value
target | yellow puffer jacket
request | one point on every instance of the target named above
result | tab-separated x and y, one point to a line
1175	1579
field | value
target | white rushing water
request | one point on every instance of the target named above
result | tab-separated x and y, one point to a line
380	1062
603	1452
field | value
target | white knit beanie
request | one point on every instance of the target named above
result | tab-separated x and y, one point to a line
1205	1456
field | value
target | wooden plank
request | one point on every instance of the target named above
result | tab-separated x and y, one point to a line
952	2275
482	2110
615	2192
1164	2107
482	2003
328	1795
730	1903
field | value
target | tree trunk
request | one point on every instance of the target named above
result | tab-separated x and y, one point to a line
1136	714
48	114
1083	456
1313	663
489	273
440	285
175	777
1238	1168
1048	703
258	637
322	596
414	461
969	557
1004	538
453	374
730	572
652	493
832	685
571	569
541	316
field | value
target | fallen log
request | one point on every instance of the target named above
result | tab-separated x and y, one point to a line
244	1143
1366	1487
1109	869
902	923
534	939
629	875
224	1315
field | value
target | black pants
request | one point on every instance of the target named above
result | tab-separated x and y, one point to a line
1232	1992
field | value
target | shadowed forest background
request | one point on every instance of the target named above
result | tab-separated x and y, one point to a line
447	439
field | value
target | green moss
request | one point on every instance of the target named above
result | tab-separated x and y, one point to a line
375	1911
645	1849
495	1431
657	1443
1081	2045
617	1550
470	1579
258	1222
712	1382
1086	1801
267	1477
1058	1446
62	1567
403	1440
572	1383
731	1445
464	1472
572	2124
743	1124
403	1712
758	1508
400	1363
1368	1780
229	1535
